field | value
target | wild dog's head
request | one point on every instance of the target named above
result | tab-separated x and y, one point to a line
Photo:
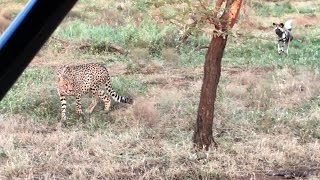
279	29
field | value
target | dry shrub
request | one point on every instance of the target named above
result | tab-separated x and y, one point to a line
251	89
295	87
247	78
170	55
262	96
282	88
145	112
250	77
139	54
236	91
168	97
110	17
152	68
141	62
143	67
176	108
238	95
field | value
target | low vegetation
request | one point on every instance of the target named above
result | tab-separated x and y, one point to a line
267	109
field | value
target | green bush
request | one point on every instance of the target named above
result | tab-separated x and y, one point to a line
33	94
124	85
148	35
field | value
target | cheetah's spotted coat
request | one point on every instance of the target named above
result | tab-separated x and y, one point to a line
77	80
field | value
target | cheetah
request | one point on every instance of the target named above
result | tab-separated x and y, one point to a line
77	80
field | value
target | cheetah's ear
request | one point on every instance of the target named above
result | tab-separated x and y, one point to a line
62	70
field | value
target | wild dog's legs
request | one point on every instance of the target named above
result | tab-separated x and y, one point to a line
283	47
287	47
279	49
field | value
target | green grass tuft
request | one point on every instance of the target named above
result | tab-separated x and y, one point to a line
273	9
33	94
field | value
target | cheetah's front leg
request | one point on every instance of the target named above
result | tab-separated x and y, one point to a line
63	107
78	105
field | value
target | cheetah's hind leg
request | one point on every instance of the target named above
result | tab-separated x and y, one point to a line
106	99
93	104
94	101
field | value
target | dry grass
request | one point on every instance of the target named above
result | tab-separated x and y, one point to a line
171	56
283	88
152	138
140	151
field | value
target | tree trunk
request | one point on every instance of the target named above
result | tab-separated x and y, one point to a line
202	137
212	70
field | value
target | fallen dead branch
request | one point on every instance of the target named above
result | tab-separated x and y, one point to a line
291	174
99	47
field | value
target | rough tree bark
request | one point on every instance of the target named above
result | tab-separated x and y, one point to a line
202	137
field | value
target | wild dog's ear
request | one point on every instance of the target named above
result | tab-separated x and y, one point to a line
281	25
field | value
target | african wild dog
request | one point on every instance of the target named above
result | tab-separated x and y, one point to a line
283	32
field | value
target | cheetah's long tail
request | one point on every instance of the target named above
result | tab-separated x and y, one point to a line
115	96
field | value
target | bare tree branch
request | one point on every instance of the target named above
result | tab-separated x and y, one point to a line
229	16
217	8
204	6
185	36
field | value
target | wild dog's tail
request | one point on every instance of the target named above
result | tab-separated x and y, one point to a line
287	25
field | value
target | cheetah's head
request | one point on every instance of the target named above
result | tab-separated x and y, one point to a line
64	85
